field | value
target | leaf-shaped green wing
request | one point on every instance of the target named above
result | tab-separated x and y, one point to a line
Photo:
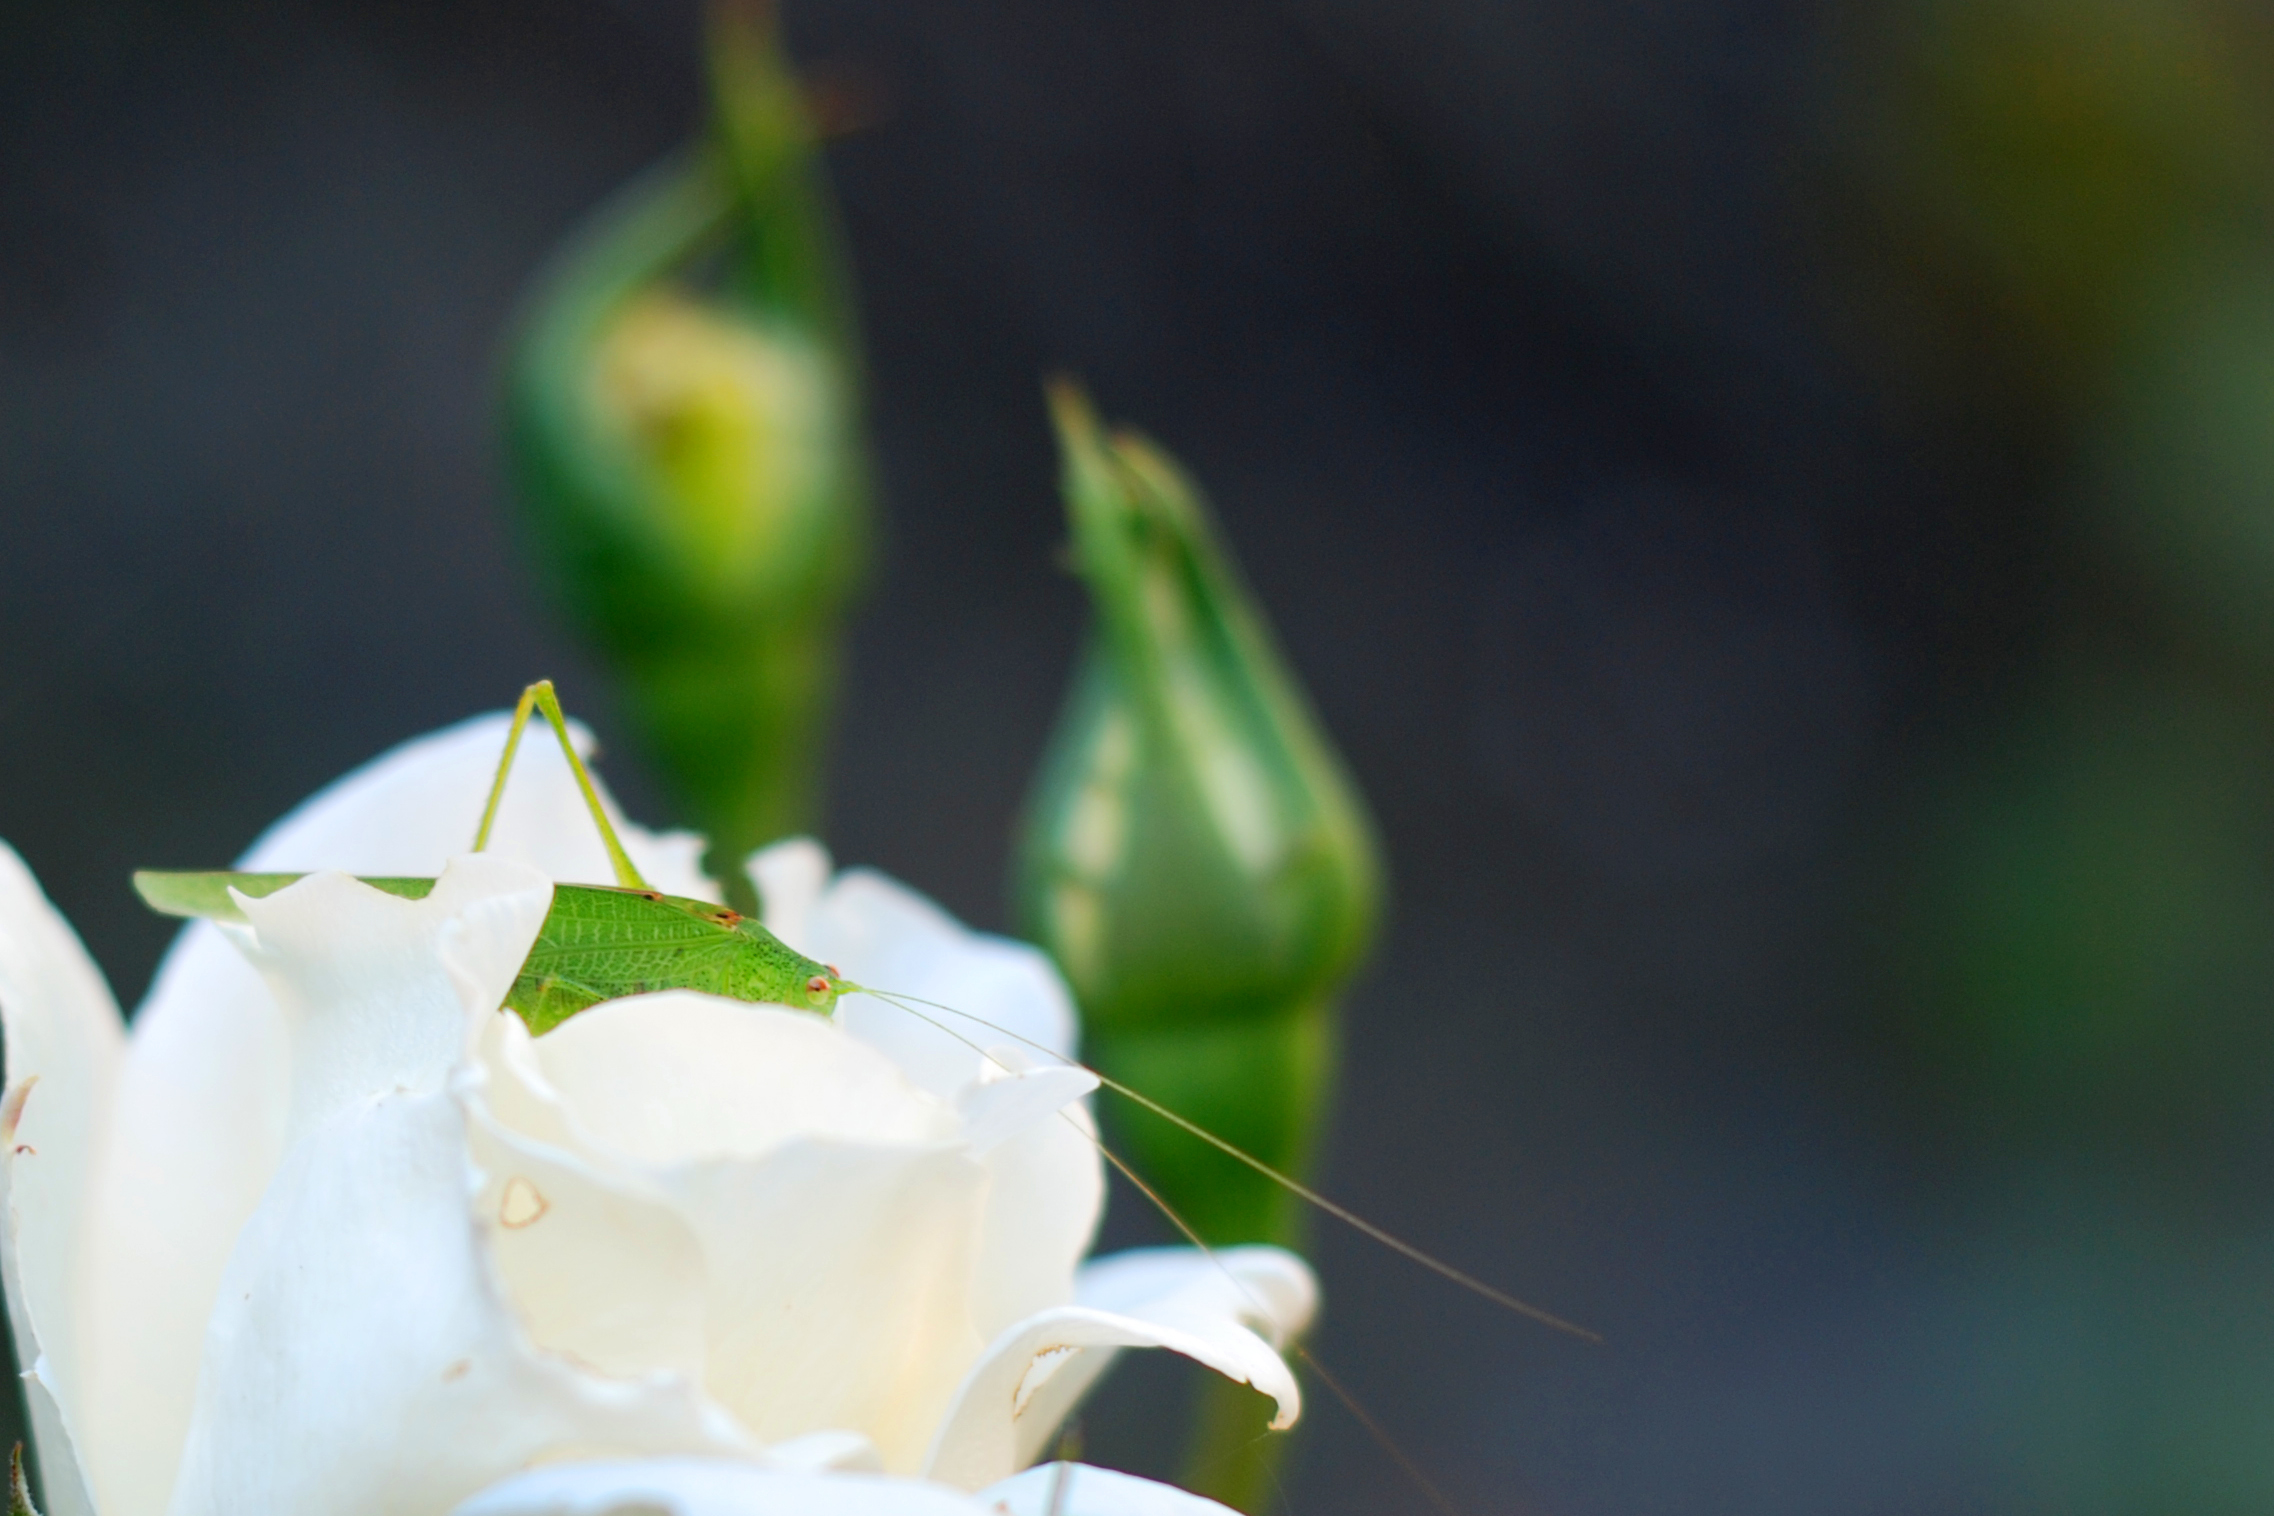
599	942
205	893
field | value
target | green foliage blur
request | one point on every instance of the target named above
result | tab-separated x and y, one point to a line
684	418
1201	867
2068	207
2074	208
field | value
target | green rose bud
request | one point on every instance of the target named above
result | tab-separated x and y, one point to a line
684	420
1203	870
1194	854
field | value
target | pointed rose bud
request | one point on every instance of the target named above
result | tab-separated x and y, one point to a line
684	419
1194	854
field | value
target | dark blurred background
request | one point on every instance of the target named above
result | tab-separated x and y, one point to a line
1775	500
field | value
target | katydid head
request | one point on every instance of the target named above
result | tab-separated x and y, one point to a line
824	986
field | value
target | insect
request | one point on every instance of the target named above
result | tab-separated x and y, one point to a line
598	942
603	942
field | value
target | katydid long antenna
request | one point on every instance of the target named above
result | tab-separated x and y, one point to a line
1292	1185
1350	1403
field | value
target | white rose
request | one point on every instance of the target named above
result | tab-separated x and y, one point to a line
333	1234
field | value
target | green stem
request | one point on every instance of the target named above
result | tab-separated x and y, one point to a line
1232	1454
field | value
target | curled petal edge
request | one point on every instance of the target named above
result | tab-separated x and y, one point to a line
1206	1306
1080	1489
710	1487
735	1487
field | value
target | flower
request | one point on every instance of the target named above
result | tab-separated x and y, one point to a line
330	1233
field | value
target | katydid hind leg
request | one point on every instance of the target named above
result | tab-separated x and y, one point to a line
541	697
504	767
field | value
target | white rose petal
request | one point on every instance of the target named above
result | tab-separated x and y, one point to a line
1046	1189
361	1361
1230	1310
197	1130
361	1358
838	1209
1079	1489
370	1004
203	1090
63	1038
722	1487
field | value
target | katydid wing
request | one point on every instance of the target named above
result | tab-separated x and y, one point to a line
599	942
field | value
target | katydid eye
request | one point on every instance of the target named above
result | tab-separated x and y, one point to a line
817	985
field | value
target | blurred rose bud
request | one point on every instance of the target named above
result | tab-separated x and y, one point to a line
684	421
1194	854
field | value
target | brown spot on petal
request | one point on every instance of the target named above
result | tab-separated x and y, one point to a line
523	1204
1039	1368
458	1371
12	1106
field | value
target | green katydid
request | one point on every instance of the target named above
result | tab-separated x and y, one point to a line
603	942
599	942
